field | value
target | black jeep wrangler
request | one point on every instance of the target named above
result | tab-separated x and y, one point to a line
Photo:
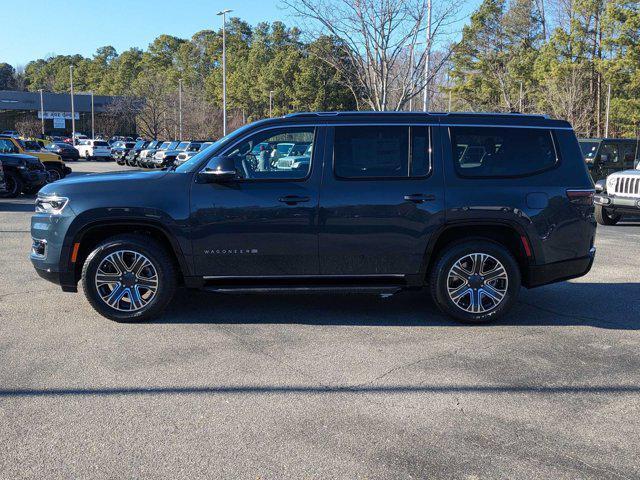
469	206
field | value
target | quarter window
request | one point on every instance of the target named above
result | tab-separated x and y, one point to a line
283	153
502	152
381	152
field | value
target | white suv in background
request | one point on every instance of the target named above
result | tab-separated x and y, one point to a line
91	149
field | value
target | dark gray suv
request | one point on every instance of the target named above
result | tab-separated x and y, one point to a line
468	206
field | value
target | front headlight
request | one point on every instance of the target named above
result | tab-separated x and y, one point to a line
51	204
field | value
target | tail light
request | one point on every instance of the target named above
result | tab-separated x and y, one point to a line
581	197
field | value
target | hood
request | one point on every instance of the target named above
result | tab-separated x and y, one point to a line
19	156
95	182
626	173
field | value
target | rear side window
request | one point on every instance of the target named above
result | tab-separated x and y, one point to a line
502	151
382	152
100	144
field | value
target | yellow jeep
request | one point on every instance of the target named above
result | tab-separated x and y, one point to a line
52	162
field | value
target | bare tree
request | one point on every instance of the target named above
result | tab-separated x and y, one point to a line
374	39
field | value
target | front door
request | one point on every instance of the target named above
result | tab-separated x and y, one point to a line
263	223
382	198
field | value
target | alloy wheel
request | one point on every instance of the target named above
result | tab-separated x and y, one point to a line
477	283
126	280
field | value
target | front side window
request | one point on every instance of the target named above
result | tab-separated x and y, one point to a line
267	155
381	152
501	151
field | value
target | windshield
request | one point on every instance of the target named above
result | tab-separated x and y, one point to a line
139	144
100	144
190	164
589	149
182	146
164	146
172	146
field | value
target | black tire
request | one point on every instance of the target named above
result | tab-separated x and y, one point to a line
603	217
439	281
159	258
55	173
13	185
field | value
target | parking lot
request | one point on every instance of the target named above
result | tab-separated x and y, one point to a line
324	386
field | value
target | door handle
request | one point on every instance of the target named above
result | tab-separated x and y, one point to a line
420	197
293	199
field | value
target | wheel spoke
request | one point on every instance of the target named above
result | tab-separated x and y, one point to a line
136	299
460	272
105	278
139	263
151	283
492	293
117	259
476	306
459	293
113	299
497	272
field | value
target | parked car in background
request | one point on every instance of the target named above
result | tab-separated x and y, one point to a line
119	150
299	158
165	158
186	155
150	160
150	151
472	207
618	196
3	187
132	157
605	156
52	162
94	149
65	150
22	174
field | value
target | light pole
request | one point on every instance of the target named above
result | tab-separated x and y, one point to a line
224	69
93	118
73	111
606	123
42	111
180	107
425	99
521	99
270	103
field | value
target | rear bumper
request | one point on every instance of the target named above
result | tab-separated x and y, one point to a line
539	275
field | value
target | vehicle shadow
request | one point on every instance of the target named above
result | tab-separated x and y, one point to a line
588	304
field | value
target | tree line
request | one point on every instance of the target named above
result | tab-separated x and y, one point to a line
569	59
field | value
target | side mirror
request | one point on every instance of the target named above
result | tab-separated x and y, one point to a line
218	169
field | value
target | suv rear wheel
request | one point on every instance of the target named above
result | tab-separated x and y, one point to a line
129	278
604	217
475	281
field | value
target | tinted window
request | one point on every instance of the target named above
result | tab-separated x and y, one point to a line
100	144
501	152
263	156
609	153
381	151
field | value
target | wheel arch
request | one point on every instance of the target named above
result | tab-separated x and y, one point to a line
93	233
510	235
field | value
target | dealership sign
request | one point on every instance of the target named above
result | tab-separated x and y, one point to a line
58	115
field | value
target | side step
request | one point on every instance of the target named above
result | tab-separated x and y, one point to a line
383	290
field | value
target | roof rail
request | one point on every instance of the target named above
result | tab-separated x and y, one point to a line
388	112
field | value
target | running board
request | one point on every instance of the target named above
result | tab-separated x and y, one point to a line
385	291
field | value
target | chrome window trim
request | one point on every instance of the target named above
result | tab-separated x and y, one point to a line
275	277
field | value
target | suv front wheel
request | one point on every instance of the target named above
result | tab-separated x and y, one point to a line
129	278
475	281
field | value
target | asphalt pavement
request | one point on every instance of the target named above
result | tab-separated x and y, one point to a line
321	386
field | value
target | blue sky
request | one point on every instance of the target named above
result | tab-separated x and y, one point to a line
34	29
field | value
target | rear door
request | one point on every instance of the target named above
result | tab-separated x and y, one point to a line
381	199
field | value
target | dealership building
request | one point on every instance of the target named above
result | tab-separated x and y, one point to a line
25	110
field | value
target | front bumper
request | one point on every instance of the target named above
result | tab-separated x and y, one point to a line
48	232
538	275
617	204
34	178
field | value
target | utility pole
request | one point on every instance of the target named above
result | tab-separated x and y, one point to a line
93	118
224	70
180	107
425	100
270	103
42	111
73	111
606	122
